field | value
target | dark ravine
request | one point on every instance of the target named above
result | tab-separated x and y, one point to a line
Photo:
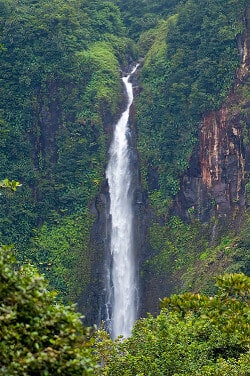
93	301
212	187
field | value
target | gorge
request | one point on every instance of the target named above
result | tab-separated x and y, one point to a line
189	148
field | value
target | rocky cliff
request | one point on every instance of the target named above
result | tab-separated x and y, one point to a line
187	253
214	184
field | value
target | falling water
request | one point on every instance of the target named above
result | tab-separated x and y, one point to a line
122	277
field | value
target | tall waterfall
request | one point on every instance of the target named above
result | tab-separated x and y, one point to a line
122	289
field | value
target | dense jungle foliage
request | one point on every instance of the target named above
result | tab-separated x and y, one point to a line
189	68
60	87
194	334
61	92
37	335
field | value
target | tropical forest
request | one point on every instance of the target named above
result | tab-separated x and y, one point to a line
124	188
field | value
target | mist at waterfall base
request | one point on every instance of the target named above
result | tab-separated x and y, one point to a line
122	286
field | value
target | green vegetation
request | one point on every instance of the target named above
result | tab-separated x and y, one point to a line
192	254
142	15
190	60
37	335
60	93
12	185
187	71
61	250
194	334
60	88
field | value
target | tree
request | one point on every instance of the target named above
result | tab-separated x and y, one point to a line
12	185
193	335
37	335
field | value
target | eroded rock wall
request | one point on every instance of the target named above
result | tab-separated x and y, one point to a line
214	184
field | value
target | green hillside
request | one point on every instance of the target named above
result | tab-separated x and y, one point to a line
60	96
61	93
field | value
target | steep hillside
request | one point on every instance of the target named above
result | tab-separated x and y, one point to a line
61	94
193	126
60	90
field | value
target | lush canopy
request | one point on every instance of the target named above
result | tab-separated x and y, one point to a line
194	334
38	336
60	93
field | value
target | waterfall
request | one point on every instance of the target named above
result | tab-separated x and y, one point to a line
122	280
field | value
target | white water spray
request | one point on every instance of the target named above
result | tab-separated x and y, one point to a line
123	280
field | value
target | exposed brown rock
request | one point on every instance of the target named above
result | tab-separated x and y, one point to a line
215	181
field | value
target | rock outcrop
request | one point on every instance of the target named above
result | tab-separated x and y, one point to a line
214	184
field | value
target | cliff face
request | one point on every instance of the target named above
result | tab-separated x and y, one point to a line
215	181
95	305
